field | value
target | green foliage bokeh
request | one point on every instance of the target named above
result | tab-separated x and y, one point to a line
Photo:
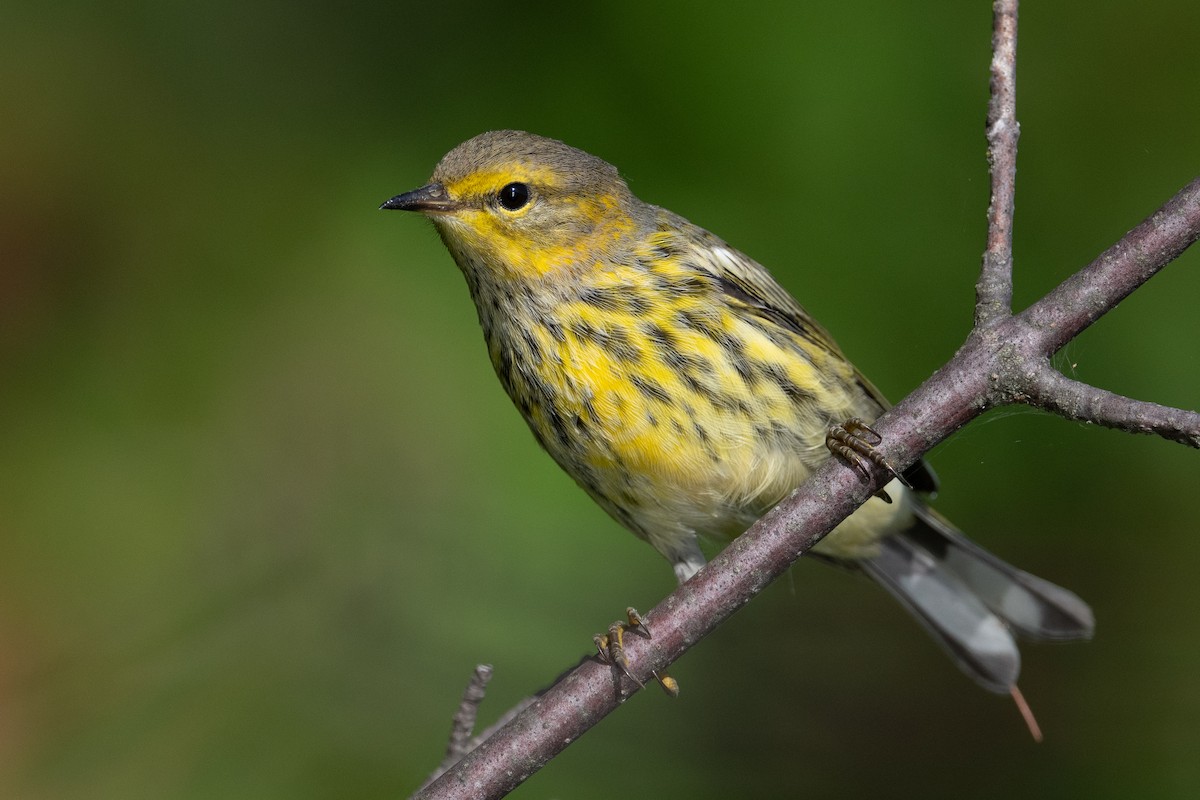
263	504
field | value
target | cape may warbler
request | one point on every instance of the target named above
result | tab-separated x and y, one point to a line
687	392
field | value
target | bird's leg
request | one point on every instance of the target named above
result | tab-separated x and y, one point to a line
611	647
855	442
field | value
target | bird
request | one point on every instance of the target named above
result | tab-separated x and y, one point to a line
687	392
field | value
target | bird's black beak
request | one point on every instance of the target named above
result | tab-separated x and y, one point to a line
430	199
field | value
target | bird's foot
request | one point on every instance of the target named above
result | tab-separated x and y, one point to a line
855	442
611	647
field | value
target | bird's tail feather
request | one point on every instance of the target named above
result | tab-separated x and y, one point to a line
972	602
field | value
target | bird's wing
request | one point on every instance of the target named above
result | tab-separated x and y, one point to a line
748	284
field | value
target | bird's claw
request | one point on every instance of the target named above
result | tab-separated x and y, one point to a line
855	442
611	648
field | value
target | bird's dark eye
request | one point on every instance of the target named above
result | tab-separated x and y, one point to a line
514	196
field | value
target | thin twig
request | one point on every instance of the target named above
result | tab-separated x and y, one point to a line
463	724
1052	391
468	711
993	292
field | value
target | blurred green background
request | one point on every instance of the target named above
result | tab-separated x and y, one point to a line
263	504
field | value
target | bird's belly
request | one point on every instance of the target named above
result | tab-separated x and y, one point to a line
716	475
671	454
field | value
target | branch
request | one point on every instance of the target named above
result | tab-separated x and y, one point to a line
1082	299
1097	288
1052	391
979	376
464	719
1004	360
463	725
993	292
